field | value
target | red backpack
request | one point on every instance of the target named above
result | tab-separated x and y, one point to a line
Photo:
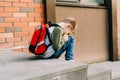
37	44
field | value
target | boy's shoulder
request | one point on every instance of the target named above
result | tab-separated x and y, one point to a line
58	28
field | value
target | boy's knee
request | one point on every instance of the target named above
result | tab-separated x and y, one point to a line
71	39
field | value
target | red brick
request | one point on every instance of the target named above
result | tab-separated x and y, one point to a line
1	9
42	6
39	19
21	34
18	50
20	4
12	19
34	15
3	35
27	1
28	29
2	40
33	5
2	30
2	14
25	50
42	15
39	10
15	39
20	24
22	43
26	38
7	45
11	9
28	19
34	23
19	14
13	29
12	0
5	4
31	34
5	24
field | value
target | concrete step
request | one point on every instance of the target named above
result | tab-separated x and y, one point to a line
21	66
113	66
97	73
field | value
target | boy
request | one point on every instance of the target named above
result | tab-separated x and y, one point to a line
62	40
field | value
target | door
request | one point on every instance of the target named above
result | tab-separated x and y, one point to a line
91	38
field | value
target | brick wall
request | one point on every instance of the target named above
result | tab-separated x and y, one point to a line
18	18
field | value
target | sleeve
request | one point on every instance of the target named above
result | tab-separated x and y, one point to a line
57	38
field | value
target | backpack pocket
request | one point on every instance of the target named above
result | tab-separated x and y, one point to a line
39	50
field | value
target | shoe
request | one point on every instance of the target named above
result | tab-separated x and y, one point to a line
71	60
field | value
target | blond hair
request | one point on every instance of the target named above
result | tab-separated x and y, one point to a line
72	22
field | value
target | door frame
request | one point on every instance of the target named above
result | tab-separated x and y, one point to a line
112	29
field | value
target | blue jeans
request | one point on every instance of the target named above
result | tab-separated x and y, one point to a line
68	47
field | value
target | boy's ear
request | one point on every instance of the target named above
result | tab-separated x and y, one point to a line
69	26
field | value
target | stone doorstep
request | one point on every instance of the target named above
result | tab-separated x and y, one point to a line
113	66
74	75
21	66
116	77
96	73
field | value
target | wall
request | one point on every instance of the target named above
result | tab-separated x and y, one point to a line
18	19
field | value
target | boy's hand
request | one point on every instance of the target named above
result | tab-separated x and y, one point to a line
65	36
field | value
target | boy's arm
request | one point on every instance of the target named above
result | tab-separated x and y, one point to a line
57	38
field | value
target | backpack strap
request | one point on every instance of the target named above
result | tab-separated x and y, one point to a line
50	25
48	37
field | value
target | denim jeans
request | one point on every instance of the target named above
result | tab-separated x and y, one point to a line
68	47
